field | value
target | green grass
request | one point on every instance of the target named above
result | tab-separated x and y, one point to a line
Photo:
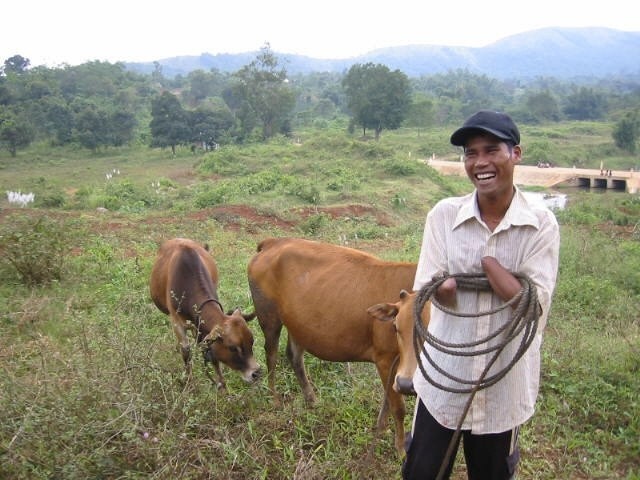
93	385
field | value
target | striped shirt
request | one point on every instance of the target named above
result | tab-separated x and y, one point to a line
455	239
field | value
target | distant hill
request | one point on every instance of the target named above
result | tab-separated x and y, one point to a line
550	52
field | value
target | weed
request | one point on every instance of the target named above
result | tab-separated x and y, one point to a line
36	247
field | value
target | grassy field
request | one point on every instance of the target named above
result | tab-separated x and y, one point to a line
92	385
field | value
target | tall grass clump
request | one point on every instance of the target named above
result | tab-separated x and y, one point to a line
36	248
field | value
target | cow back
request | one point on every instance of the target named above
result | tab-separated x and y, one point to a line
184	275
321	293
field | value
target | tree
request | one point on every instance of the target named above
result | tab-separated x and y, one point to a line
91	127
168	122
262	91
377	97
203	85
15	132
459	93
625	132
210	124
58	119
536	107
585	104
542	107
16	65
420	113
121	125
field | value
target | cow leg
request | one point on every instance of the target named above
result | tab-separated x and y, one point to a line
295	354
185	348
271	328
392	401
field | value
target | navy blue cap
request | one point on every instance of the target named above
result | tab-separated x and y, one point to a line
496	123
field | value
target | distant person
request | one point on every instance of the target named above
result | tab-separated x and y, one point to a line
493	231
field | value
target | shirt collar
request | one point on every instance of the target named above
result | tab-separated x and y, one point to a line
518	213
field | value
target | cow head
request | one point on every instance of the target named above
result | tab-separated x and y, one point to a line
401	314
231	342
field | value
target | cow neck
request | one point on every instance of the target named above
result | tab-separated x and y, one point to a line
210	300
207	288
200	325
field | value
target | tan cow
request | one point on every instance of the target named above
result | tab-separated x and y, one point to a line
183	285
320	293
402	315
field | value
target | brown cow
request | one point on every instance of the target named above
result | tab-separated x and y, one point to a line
320	293
183	285
401	314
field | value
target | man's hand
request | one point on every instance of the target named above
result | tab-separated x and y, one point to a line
446	293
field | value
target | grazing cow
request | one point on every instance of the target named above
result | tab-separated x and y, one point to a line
183	285
320	293
401	314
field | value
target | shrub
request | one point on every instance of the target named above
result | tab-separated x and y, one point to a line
51	200
400	167
314	224
305	190
35	248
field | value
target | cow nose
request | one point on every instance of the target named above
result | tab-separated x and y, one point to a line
256	374
405	386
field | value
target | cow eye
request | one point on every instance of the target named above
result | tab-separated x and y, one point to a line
235	350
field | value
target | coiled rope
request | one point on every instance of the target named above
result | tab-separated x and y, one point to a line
523	320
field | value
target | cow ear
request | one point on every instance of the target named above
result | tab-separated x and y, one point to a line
238	311
385	312
249	316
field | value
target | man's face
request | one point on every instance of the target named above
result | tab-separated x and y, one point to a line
489	163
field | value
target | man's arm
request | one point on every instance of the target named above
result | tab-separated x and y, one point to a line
504	284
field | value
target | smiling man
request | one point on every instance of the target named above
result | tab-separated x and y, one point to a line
493	231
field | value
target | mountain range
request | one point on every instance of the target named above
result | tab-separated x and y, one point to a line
564	53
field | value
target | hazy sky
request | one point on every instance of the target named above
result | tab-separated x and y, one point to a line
55	32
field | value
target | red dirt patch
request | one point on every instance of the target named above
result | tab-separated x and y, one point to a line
239	216
347	211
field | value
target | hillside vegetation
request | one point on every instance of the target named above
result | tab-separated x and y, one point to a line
93	385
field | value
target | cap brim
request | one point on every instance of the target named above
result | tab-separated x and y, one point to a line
460	136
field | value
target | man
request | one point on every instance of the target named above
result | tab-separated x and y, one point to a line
493	231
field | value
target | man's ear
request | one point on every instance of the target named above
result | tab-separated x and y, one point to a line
516	154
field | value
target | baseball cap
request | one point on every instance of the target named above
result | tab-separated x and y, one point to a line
496	123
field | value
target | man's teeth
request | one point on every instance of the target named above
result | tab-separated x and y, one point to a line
485	176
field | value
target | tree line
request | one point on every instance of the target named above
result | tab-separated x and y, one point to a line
98	105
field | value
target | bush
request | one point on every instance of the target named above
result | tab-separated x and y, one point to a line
51	200
314	224
35	248
400	167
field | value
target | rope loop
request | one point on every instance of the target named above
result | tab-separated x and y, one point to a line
523	318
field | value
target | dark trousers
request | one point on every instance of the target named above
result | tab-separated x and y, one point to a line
488	457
